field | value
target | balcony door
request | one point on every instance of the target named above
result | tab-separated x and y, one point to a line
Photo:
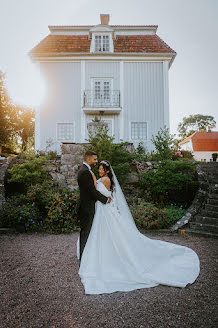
102	92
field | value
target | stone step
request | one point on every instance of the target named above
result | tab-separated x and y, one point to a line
209	214
200	233
204	227
205	220
212	201
213	196
210	207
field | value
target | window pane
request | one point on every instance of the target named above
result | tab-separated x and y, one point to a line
65	131
138	130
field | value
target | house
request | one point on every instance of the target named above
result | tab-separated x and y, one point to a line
116	72
202	143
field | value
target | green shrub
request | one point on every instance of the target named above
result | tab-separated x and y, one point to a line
20	211
187	154
172	181
164	144
26	174
149	216
45	207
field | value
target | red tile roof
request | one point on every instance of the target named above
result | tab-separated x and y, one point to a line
141	43
203	141
80	43
62	43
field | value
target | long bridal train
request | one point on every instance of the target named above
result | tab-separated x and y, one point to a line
117	257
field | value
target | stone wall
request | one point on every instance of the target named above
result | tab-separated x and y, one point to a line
64	170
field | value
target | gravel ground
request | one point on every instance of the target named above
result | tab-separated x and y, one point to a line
40	287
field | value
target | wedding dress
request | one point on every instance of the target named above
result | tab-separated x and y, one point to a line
117	257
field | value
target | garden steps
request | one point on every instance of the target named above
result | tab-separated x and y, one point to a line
200	233
206	220
205	227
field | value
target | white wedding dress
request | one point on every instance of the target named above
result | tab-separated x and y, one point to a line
117	257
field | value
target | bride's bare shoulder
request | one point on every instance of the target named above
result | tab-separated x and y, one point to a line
107	182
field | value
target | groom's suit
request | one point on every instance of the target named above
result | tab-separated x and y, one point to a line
86	209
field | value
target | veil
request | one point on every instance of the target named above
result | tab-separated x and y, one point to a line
119	201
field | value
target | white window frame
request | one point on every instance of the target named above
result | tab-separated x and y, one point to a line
101	35
57	132
111	44
102	79
130	131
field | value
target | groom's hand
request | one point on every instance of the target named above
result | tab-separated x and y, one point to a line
109	200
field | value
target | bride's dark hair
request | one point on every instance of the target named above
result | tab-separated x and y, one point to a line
107	167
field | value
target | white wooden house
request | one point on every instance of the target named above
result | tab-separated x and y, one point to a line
117	72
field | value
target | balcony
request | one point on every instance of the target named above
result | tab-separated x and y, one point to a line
101	101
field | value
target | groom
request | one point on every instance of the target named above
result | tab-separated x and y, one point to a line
88	196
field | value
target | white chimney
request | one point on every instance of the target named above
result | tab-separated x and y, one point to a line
104	19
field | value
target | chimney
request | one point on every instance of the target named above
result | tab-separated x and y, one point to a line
104	19
208	129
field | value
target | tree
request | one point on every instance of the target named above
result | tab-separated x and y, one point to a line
5	109
164	144
194	123
16	122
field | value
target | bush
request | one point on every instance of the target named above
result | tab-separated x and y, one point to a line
187	154
26	174
45	207
171	181
149	216
164	144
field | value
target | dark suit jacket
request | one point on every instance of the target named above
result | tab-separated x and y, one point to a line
88	194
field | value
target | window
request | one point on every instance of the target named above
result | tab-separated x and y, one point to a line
65	131
102	43
138	130
102	92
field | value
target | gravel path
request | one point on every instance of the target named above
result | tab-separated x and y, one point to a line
40	287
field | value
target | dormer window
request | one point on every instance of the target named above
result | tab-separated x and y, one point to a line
102	43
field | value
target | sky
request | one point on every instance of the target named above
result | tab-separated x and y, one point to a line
190	27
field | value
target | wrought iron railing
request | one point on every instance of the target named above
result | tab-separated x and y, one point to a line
101	99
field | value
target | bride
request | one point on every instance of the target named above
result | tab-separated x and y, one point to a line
117	257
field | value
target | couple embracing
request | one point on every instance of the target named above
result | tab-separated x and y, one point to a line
114	255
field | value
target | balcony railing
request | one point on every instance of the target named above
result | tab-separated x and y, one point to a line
101	99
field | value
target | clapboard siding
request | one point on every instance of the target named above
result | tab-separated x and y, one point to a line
143	97
63	101
102	69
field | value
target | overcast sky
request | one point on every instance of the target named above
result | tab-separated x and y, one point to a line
190	27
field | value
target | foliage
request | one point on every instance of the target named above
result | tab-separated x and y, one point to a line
5	109
194	123
147	215
171	181
187	154
101	143
28	173
16	122
46	207
140	148
163	143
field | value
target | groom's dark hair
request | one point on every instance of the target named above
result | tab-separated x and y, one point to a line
89	153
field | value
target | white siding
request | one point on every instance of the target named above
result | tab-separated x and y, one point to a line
143	97
102	69
63	102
